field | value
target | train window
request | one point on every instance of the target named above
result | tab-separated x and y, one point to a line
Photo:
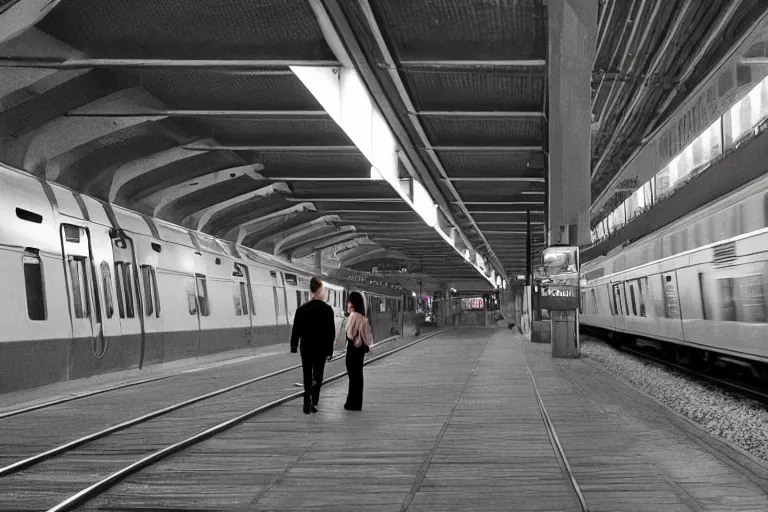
632	298
106	283
750	299
191	298
582	301
202	295
277	302
119	287
71	233
727	302
238	301
642	284
670	297
594	301
33	283
147	281
244	298
610	300
155	291
617	299
151	298
298	298
29	216
127	269
79	286
306	296
291	279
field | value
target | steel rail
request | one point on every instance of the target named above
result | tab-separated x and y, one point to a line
71	445
106	483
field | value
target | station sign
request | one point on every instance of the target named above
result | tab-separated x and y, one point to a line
559	278
473	303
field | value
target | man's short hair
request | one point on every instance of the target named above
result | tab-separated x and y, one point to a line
315	284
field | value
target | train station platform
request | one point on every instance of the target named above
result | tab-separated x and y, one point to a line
455	423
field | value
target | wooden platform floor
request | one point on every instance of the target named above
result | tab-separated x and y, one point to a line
453	424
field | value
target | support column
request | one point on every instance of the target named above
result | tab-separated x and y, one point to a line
572	35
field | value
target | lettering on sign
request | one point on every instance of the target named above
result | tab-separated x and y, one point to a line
690	125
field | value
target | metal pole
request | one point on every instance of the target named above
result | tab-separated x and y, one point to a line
528	262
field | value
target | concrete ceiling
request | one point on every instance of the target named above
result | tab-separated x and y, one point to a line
192	114
650	55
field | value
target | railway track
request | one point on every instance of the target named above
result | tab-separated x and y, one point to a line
69	456
730	385
725	384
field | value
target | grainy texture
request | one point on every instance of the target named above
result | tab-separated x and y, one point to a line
739	420
494	453
631	453
451	423
44	485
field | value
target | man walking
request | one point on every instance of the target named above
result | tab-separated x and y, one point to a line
314	325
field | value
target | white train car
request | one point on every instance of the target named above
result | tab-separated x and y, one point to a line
708	301
90	287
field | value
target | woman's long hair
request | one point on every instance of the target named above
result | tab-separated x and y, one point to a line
357	301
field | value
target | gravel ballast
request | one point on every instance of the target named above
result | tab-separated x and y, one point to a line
740	420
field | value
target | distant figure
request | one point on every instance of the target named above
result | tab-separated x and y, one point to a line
314	325
419	319
358	344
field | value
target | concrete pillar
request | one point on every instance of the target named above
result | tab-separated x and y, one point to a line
572	35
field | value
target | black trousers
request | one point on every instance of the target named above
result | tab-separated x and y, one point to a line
313	367
354	360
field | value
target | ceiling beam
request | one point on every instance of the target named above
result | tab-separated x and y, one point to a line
408	211
478	113
277	149
472	63
484	149
54	63
507	178
516	222
345	199
316	178
82	112
508	203
378	91
340	239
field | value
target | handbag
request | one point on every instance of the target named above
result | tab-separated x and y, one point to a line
358	343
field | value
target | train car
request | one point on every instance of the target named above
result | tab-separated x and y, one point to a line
704	301
91	287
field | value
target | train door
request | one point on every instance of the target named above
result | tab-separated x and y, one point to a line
82	288
281	305
672	323
618	302
244	297
127	289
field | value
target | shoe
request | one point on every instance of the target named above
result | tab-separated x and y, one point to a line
313	408
307	407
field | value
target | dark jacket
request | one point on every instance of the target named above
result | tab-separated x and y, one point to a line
314	325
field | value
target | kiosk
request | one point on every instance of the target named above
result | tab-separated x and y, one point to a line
559	297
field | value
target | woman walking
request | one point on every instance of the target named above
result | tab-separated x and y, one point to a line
358	344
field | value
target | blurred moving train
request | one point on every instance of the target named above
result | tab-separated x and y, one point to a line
695	290
90	287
